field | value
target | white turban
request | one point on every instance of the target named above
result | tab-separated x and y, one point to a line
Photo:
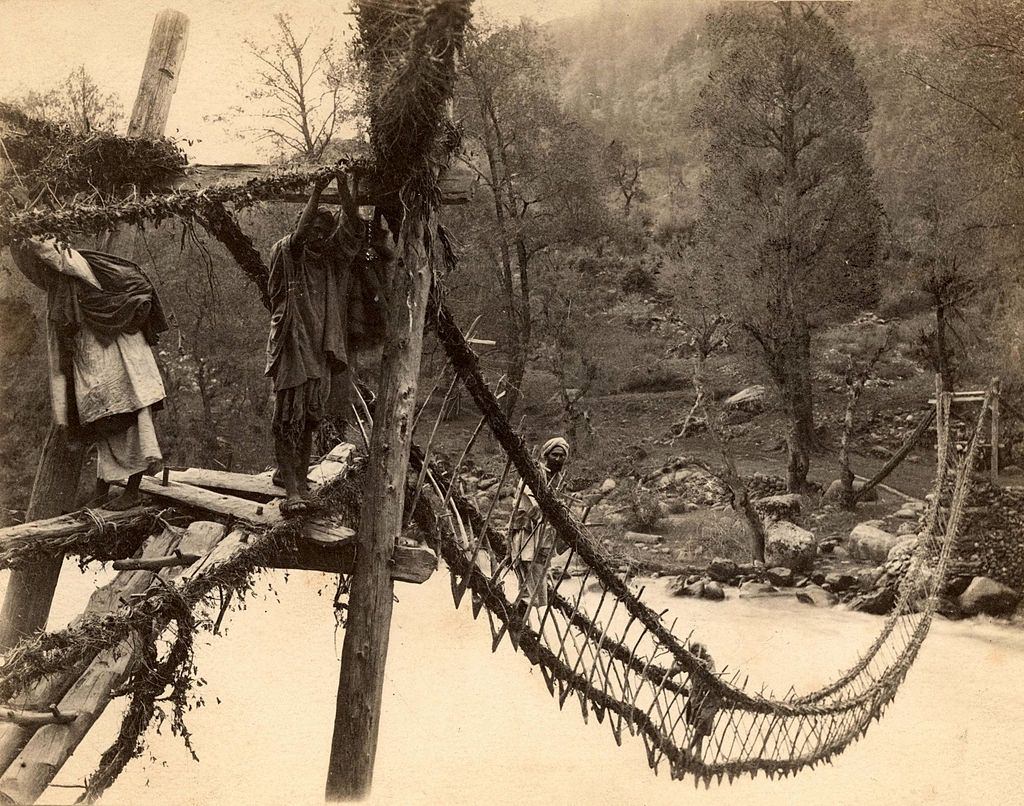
551	444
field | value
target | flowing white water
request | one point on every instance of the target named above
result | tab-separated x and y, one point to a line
463	726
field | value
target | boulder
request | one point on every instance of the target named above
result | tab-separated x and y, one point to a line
783	507
788	545
905	529
753	589
713	591
680	586
607	486
836	487
781	576
868	578
987	596
816	595
949	608
722	570
877	602
838	582
869	542
749	399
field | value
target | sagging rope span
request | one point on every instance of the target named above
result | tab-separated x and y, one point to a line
620	659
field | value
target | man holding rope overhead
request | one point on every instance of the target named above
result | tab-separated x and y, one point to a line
319	288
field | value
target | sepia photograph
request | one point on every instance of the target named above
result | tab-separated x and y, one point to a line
511	402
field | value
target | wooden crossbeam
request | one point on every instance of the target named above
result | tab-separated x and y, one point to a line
413	564
27	718
456	186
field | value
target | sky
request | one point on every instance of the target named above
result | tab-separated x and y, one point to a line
41	41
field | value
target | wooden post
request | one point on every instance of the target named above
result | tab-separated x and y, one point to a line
30	590
152	106
160	75
364	654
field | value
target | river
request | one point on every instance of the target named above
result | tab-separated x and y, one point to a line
461	725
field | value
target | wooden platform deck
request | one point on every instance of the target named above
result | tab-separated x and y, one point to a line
41	729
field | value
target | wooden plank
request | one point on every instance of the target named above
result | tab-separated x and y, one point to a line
328	531
413	564
239	484
103	600
236	540
209	501
456	188
66	525
51	746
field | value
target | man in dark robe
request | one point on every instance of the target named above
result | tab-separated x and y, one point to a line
103	316
313	274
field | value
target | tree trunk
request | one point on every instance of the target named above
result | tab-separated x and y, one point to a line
798	394
853	391
943	359
364	655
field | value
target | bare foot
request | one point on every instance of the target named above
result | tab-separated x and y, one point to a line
125	500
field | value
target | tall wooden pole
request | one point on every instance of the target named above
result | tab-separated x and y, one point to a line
364	654
30	590
160	75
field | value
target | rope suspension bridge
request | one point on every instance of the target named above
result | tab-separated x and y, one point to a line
203	534
595	641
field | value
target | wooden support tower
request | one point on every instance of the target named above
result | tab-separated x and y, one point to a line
37	739
30	591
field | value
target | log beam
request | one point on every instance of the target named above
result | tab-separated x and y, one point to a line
69	525
51	689
456	186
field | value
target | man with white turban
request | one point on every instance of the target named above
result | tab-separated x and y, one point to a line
531	543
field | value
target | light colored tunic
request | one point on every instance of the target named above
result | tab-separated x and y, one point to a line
114	378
